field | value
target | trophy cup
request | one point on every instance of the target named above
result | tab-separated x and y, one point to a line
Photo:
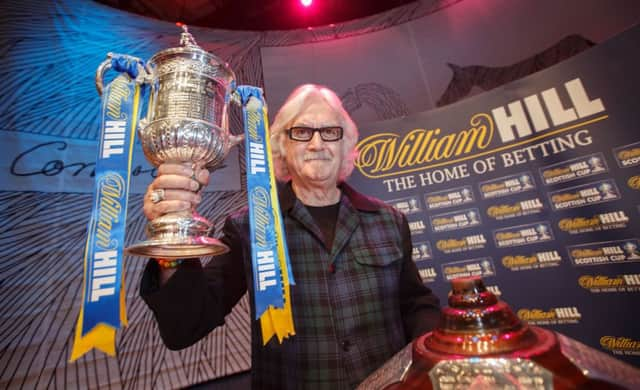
481	344
186	122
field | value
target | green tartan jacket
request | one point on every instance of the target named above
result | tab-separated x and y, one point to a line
354	305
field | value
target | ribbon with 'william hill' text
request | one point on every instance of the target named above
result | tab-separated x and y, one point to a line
272	275
103	298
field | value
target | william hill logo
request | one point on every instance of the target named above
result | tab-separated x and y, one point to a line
620	345
428	275
574	169
628	155
408	205
453	245
523	234
584	195
417	227
466	268
605	252
387	153
507	185
455	220
602	283
517	209
554	316
449	198
535	261
599	222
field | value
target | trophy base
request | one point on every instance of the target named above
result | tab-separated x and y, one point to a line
181	248
179	235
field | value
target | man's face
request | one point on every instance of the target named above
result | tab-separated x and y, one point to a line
315	162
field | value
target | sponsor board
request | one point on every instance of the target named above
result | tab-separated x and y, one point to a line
627	156
482	266
604	284
606	252
535	260
620	345
603	221
462	244
584	195
421	251
507	185
427	274
553	316
455	220
518	209
417	227
576	168
523	234
408	205
449	198
634	182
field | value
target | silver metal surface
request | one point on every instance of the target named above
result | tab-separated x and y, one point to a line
186	122
393	371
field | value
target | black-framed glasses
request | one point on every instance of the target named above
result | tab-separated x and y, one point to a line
304	134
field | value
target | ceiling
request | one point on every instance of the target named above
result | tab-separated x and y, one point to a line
255	14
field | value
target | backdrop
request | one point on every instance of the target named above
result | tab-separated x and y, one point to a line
434	53
535	186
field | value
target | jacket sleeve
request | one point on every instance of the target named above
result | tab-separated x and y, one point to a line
196	299
420	308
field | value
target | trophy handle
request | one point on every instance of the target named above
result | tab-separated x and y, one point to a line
235	140
102	69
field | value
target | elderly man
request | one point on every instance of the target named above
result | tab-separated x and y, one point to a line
358	298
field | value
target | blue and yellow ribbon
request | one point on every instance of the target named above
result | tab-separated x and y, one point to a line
271	267
103	297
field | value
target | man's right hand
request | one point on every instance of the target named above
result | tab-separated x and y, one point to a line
176	188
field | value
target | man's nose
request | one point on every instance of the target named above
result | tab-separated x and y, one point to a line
316	141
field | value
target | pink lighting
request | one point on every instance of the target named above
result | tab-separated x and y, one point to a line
306	3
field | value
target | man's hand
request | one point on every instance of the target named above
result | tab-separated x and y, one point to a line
176	188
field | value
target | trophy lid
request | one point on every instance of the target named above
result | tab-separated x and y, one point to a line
198	59
477	323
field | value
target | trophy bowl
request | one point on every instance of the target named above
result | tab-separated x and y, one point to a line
186	122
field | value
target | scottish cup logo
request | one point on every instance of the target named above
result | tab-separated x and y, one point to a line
473	217
466	195
631	250
543	232
596	164
526	181
607	191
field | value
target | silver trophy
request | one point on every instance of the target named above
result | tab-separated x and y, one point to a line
186	122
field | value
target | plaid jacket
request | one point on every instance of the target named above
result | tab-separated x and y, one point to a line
354	305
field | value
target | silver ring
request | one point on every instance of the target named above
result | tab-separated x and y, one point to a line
157	195
194	178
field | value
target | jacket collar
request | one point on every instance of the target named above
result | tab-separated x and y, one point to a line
361	202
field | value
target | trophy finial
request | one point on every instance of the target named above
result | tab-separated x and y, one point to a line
186	39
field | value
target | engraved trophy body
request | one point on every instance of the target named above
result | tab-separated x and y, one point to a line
186	122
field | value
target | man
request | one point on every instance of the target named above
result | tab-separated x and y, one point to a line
358	298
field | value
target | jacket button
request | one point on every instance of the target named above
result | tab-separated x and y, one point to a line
346	345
